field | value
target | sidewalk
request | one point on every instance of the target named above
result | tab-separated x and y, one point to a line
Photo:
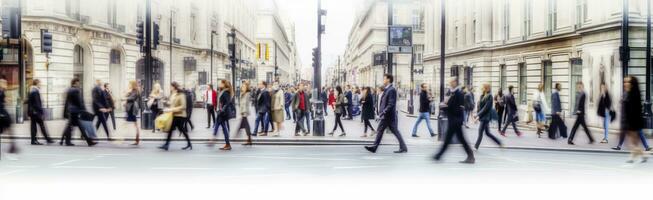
354	129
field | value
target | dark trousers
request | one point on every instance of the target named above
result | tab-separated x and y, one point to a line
178	123
510	121
485	128
102	120
299	124
222	121
111	115
68	131
454	130
622	138
500	120
367	123
392	125
325	108
288	113
244	124
38	120
189	123
307	118
350	110
338	122
580	121
557	125
210	111
261	119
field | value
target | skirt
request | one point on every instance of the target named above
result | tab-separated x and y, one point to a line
131	117
277	116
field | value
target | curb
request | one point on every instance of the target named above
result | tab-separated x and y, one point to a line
257	141
568	150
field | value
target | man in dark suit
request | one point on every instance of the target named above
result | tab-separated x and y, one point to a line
388	116
35	111
73	108
454	109
100	106
189	108
511	112
580	115
350	107
263	105
556	112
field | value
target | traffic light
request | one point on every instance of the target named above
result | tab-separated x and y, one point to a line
156	37
139	34
316	57
46	41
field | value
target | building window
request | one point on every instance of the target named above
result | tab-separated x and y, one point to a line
503	77
115	56
139	13
522	83
528	17
112	12
72	8
553	15
581	12
469	76
417	18
419	54
78	55
576	76
202	78
506	20
547	78
193	27
474	27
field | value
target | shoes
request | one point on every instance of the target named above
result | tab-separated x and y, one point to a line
518	134
331	134
402	151
164	147
591	142
263	134
502	134
604	141
92	144
297	134
370	149
570	143
648	149
364	135
70	144
342	135
415	135
617	148
307	133
248	143
226	148
433	134
36	143
468	161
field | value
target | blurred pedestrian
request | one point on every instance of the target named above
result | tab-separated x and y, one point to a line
301	107
557	124
154	101
324	98
540	106
511	112
332	99
188	93
485	113
243	109
469	104
424	110
631	121
287	98
73	108
36	113
580	115
178	110
341	106
349	96
100	106
132	102
388	117
112	104
368	109
262	108
224	106
454	109
5	119
210	102
277	109
606	111
500	106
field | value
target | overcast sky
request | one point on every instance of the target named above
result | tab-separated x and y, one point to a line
340	16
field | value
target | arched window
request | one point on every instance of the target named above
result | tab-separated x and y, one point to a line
78	57
115	56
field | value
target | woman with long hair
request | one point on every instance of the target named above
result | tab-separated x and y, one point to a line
631	120
540	106
225	98
367	100
341	102
605	110
132	100
154	101
178	109
484	114
243	109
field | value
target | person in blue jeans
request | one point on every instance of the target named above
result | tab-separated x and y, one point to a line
604	110
424	110
622	138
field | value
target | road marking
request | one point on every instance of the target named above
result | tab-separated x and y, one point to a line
183	168
293	158
357	167
11	172
83	167
254	168
22	166
65	162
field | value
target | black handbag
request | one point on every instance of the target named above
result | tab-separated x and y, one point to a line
613	115
5	120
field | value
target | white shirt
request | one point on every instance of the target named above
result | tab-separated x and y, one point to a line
209	97
545	106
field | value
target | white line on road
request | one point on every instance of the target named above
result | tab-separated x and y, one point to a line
357	167
292	158
11	172
254	168
65	162
183	168
83	167
22	166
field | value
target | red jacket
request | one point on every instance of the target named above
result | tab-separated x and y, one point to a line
214	100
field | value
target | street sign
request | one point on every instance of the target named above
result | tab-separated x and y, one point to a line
401	39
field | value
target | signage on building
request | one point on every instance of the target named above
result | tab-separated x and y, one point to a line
190	64
379	59
400	39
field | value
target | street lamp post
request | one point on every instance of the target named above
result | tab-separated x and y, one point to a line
232	54
318	120
648	115
211	75
442	118
147	121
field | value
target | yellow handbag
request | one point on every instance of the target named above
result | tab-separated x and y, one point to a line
164	121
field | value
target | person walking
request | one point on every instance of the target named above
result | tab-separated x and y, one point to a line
633	86
100	107
484	113
36	113
112	104
341	106
73	108
605	111
132	102
301	107
210	102
224	106
454	109
243	109
500	106
262	108
540	106
511	112
154	101
469	104
189	108
5	118
324	97
178	110
332	99
580	115
424	110
287	97
631	121
367	100
388	117
557	124
277	109
349	106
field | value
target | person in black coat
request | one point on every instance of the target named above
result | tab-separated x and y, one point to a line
73	108
632	122
368	109
100	106
263	106
580	115
348	95
484	114
500	107
36	113
557	124
325	98
511	112
189	108
388	116
454	110
225	101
